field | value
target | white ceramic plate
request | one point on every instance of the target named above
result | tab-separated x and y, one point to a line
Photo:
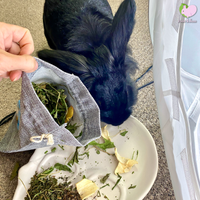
96	166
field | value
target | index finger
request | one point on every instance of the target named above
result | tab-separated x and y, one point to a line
23	37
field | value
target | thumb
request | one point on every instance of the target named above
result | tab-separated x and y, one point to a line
10	62
26	63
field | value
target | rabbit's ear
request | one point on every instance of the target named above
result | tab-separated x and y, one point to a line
122	28
64	60
69	62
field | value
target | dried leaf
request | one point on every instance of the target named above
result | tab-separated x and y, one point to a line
15	171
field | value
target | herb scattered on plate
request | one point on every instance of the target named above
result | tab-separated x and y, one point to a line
62	167
132	186
62	147
53	150
105	186
75	158
118	180
104	179
123	133
45	152
106	145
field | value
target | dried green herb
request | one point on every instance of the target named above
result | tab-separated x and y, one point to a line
85	153
72	127
105	185
45	152
62	147
75	158
46	172
132	186
104	179
47	188
137	155
80	134
137	152
106	145
62	167
15	171
53	150
97	151
118	180
98	194
54	100
83	177
105	197
124	133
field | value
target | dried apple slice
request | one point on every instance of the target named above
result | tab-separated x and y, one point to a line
124	164
105	133
86	188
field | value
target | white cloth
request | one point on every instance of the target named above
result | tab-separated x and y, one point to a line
177	82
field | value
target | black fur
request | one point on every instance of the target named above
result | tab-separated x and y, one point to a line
91	44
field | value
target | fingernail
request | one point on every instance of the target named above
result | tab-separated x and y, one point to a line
16	78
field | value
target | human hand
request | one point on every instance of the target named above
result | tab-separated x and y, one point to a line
16	45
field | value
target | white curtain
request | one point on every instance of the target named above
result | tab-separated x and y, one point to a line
176	70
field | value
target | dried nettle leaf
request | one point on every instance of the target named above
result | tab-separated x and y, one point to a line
104	179
62	167
75	158
106	145
123	133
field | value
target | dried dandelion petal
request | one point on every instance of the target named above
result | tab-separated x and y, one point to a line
86	188
124	164
70	114
105	133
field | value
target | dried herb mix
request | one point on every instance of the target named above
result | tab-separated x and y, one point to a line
54	100
44	186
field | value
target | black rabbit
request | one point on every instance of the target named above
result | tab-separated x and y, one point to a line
91	44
